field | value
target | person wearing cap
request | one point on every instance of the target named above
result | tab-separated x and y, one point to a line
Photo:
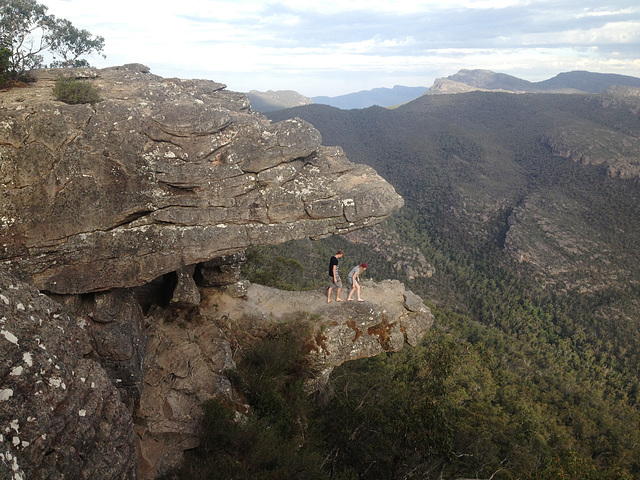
354	280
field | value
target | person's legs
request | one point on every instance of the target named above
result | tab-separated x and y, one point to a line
329	293
353	289
338	299
358	292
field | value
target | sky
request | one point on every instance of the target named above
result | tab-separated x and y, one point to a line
336	47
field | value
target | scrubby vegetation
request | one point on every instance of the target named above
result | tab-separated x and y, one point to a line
74	91
272	441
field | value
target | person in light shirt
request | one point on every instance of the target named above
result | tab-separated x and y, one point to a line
354	280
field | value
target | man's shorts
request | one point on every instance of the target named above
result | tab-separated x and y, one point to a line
337	283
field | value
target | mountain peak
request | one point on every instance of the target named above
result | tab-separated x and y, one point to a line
568	82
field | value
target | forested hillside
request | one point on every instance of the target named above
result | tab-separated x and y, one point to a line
525	211
521	230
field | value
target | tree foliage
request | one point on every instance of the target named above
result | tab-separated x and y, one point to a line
523	375
272	441
558	397
27	32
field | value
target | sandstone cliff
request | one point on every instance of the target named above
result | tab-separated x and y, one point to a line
132	216
162	173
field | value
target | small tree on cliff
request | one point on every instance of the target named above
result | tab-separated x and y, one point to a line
27	31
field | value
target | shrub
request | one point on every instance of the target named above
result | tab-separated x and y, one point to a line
272	443
74	91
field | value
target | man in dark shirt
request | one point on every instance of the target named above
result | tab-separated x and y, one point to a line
334	276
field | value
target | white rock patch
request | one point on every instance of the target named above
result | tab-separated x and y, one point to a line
6	394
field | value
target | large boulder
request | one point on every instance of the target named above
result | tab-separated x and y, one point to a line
161	174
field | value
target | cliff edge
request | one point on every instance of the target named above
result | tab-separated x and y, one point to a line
122	231
160	174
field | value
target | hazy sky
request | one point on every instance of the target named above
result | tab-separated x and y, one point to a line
334	47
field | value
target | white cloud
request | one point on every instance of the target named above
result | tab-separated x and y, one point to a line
340	46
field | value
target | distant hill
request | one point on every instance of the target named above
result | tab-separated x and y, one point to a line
472	157
569	82
383	97
588	82
273	100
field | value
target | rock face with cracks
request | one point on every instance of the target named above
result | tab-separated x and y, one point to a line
162	173
190	353
132	215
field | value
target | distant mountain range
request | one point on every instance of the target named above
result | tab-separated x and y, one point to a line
463	81
570	82
383	97
522	217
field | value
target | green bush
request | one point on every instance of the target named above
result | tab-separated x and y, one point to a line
74	91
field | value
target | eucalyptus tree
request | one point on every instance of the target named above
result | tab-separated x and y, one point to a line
28	32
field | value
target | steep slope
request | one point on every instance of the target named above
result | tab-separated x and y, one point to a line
526	208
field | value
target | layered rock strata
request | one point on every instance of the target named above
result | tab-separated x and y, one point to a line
162	173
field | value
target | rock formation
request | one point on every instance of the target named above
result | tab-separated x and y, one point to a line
60	414
132	215
189	352
160	174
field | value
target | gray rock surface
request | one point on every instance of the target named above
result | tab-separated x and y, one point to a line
389	318
189	353
60	415
161	174
114	323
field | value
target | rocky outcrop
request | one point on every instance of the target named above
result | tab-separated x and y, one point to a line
276	100
133	215
616	151
162	173
564	252
60	410
60	414
189	353
385	241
